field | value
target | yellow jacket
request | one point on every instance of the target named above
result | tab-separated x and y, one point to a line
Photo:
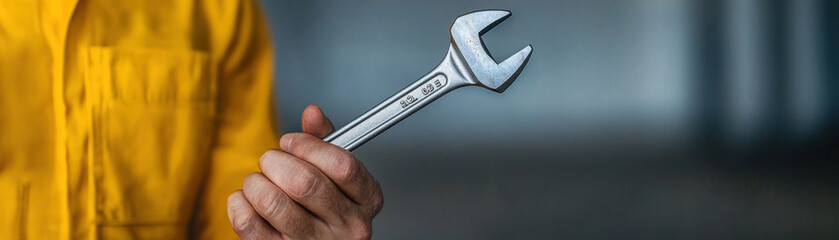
129	119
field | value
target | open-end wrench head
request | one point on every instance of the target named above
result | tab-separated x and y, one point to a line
466	37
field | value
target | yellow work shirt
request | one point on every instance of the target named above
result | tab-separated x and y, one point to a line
129	119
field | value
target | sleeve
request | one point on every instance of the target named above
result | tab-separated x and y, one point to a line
245	121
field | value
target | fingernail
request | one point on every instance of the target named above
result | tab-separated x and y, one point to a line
285	141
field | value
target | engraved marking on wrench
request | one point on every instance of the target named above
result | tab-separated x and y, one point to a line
430	87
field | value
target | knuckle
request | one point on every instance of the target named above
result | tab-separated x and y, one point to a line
365	233
377	202
243	224
304	184
271	203
345	167
360	229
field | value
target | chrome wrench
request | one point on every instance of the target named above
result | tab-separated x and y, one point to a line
467	63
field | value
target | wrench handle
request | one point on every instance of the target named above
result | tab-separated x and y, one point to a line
391	111
439	81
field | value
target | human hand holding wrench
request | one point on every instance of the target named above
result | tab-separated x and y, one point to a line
316	189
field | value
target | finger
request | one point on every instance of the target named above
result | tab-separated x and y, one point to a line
246	221
315	122
337	163
277	208
306	185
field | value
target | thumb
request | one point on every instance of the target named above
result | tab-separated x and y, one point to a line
315	122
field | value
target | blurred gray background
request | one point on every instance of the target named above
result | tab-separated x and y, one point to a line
634	119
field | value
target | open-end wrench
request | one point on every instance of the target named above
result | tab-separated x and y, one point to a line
467	63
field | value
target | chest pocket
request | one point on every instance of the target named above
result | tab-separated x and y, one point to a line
153	113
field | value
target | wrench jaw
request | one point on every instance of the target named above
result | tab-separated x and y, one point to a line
499	77
466	32
509	70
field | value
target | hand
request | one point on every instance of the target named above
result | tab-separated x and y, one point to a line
309	190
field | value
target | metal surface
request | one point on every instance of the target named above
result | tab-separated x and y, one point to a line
467	63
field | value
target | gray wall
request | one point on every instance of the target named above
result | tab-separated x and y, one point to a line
632	119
